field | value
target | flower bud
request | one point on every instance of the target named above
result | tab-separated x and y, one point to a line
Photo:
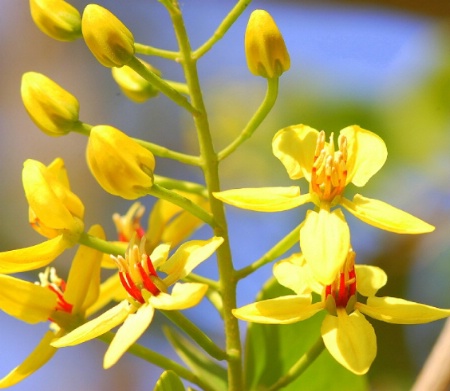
107	37
119	164
54	110
134	86
265	49
56	18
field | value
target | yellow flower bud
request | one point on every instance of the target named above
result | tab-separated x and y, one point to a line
265	49
134	86
107	37
119	164
56	18
54	110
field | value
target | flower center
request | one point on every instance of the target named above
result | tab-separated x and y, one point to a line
130	223
136	272
57	285
329	171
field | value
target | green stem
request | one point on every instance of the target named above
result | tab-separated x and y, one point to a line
175	184
152	51
210	170
185	203
101	245
161	85
256	120
300	366
237	10
206	343
279	249
182	88
159	360
202	280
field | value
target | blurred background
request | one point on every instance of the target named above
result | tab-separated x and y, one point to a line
384	65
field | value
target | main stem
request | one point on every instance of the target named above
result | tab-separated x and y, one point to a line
210	165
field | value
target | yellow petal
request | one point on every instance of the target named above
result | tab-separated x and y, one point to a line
133	327
83	283
264	199
26	301
325	241
369	279
160	255
367	153
33	257
95	327
395	310
38	357
385	216
351	340
295	146
294	273
183	296
187	257
281	310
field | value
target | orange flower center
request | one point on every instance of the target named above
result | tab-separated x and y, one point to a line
329	171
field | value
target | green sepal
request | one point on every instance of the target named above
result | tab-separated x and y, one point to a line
201	364
169	381
271	350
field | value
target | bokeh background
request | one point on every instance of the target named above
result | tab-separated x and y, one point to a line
384	65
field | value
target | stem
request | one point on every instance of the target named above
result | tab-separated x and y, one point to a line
195	333
300	366
159	360
226	23
192	277
256	120
161	85
279	249
152	51
210	169
101	245
175	184
183	202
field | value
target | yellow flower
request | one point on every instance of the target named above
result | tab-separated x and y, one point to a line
325	236
107	37
346	333
65	305
134	86
147	291
55	212
54	110
265	49
56	18
119	164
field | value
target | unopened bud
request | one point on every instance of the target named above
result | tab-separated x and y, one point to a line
54	110
265	49
107	37
134	86
119	164
56	18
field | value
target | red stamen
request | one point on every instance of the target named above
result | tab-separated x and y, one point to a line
150	267
130	287
148	283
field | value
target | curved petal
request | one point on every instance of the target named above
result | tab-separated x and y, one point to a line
95	327
83	283
295	146
325	242
133	327
281	310
384	216
34	257
26	301
367	153
264	199
369	279
160	254
294	273
182	296
188	256
395	310
351	340
38	357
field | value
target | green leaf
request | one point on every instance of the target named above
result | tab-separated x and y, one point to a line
201	364
271	350
169	381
